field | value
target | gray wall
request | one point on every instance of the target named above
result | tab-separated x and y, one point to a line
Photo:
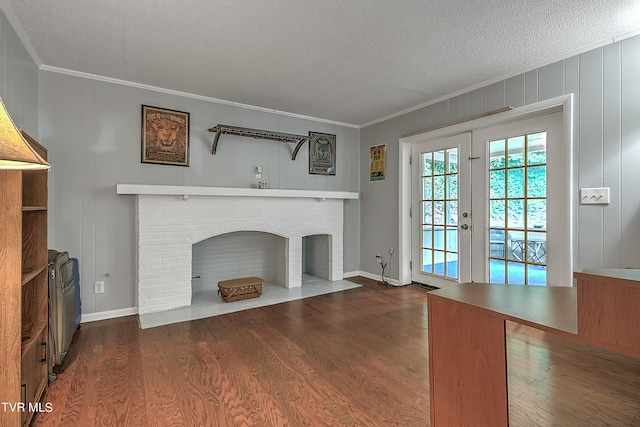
92	129
606	151
18	80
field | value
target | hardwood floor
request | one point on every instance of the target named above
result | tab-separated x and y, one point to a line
555	381
351	358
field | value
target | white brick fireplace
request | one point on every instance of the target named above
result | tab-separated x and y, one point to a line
171	219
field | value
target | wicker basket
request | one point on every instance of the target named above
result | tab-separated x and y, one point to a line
240	289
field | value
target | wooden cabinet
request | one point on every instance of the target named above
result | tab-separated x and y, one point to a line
23	292
608	314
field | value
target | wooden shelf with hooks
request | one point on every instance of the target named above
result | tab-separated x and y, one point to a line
220	130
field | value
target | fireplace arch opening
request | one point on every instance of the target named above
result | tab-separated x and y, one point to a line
256	253
238	254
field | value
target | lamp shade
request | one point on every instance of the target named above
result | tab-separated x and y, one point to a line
15	151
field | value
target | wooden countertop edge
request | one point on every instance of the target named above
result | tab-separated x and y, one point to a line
513	318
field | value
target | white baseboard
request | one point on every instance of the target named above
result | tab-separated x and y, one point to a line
348	274
373	276
111	314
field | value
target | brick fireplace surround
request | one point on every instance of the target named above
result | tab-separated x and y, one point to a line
170	219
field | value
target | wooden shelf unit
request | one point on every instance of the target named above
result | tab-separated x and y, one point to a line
24	293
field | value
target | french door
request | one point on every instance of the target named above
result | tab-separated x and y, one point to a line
493	205
441	211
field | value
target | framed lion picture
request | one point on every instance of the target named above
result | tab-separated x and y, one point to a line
165	136
322	153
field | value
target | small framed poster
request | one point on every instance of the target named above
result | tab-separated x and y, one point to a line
378	163
322	153
165	136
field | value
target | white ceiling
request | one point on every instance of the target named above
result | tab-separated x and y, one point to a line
352	62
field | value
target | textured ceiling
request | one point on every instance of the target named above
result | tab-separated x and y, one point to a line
346	61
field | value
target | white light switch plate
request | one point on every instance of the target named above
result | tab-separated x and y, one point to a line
595	196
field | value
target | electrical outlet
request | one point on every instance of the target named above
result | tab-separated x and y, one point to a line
98	287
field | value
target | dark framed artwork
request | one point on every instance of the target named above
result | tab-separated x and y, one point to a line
165	136
322	153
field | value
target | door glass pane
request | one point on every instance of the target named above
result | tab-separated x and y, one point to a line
497	271
537	149
498	187
452	213
497	243
452	157
438	163
438	262
518	210
537	247
452	187
537	275
427	168
452	265
427	188
516	213
515	147
497	151
427	236
537	214
438	187
452	239
516	243
537	181
515	274
427	262
438	213
438	238
427	212
515	183
497	216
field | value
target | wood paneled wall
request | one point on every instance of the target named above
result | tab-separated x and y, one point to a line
606	150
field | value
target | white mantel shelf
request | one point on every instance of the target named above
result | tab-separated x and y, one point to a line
180	190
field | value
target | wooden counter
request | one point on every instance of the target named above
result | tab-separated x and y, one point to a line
467	349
